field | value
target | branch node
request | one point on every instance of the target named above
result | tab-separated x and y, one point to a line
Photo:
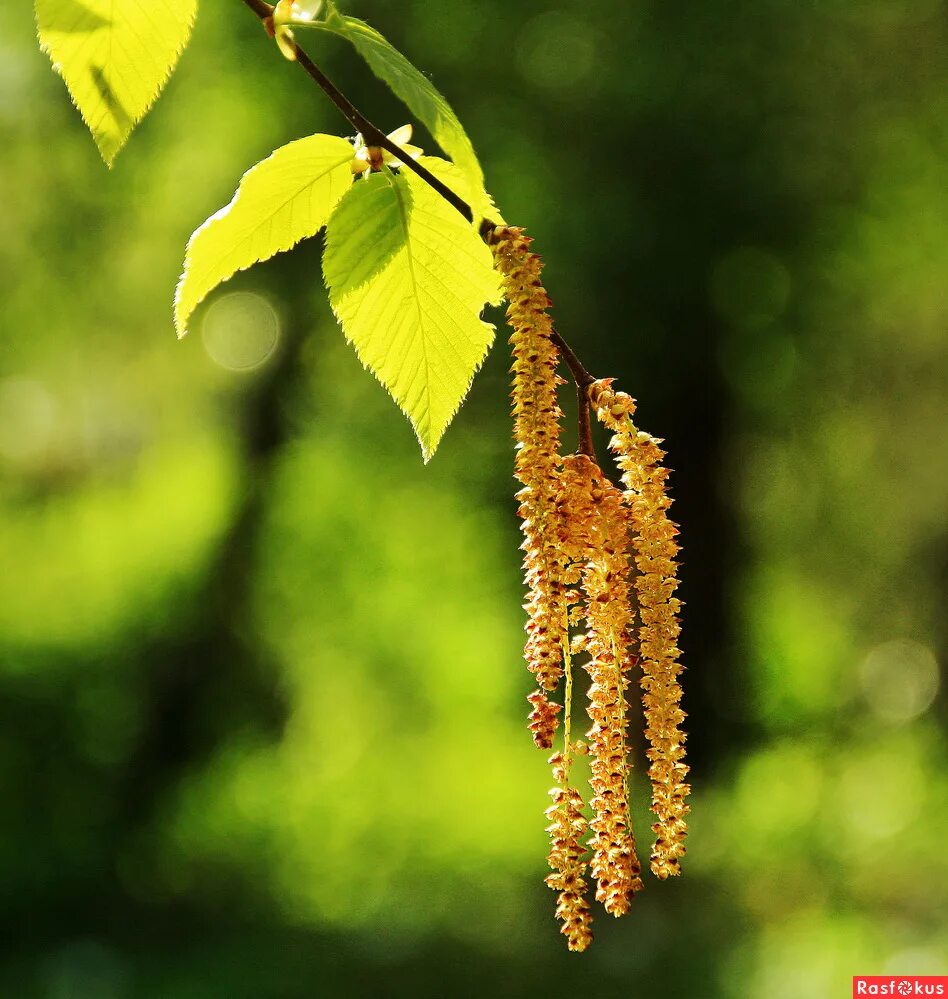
374	136
585	445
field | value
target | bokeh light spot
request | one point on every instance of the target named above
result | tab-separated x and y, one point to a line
241	331
899	680
750	287
777	793
85	969
881	14
879	795
916	961
27	416
759	367
557	51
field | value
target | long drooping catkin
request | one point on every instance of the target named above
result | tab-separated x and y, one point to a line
537	416
597	542
639	458
567	828
585	541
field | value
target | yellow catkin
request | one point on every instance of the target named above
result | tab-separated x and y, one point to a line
639	457
537	416
567	829
598	543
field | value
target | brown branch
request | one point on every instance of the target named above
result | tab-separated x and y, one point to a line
260	8
585	445
580	375
583	380
374	136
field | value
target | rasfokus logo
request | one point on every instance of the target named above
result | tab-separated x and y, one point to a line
907	985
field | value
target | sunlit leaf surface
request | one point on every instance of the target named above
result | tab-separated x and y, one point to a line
418	92
115	57
408	278
287	197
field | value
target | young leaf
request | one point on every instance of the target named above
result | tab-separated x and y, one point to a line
451	175
114	57
287	197
414	88
408	278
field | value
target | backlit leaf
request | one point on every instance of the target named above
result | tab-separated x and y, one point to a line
408	278
115	56
414	88
287	197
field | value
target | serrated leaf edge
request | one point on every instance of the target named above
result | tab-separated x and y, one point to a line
163	82
338	24
427	452
181	328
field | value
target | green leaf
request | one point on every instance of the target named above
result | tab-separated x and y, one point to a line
414	88
482	204
115	57
287	197
408	278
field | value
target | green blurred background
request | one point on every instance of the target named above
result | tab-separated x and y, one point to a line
261	699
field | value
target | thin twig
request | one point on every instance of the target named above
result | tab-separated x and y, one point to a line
585	445
260	8
583	380
374	136
580	375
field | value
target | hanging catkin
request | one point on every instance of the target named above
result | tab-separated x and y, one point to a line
639	458
537	414
594	557
567	829
598	544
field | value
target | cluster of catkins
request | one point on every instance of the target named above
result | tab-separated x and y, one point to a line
601	575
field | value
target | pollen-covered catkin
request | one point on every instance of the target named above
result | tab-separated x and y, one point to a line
567	828
537	416
653	537
598	541
594	557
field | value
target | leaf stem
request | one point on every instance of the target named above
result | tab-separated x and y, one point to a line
374	136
